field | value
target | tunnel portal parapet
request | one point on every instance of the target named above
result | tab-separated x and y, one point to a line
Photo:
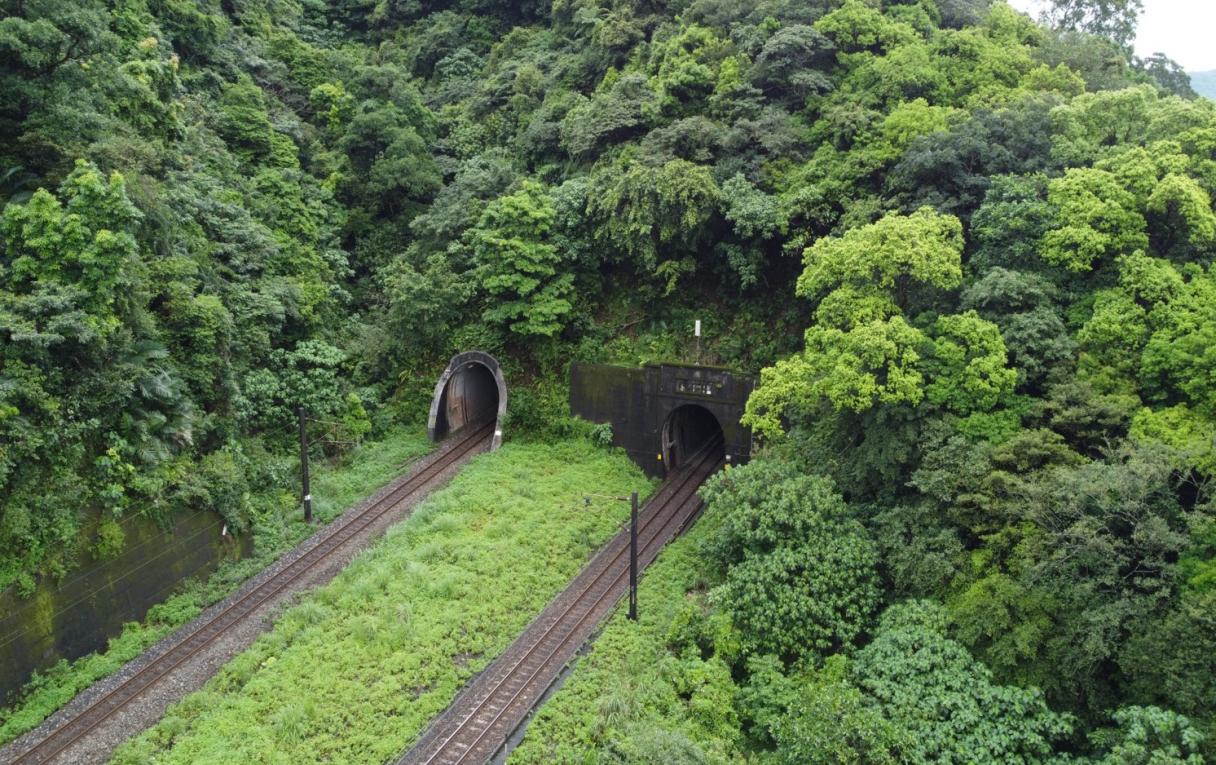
467	390
638	401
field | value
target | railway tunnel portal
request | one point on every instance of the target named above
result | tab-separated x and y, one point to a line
686	430
471	391
661	414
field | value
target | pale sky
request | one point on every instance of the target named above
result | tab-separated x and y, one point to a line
1184	30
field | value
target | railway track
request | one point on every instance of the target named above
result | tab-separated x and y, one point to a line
493	705
199	635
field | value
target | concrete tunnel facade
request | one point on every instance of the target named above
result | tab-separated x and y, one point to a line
470	391
660	413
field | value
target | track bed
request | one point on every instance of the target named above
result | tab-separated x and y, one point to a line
88	729
494	704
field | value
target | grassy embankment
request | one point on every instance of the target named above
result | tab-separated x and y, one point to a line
633	698
277	528
355	671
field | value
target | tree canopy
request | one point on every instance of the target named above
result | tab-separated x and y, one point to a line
967	256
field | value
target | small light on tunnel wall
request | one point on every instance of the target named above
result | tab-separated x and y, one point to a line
660	457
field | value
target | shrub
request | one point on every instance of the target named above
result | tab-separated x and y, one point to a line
801	572
1148	736
831	721
931	686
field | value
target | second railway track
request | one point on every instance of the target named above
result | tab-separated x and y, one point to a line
70	727
492	706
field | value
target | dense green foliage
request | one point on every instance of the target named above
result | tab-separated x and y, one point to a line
353	672
801	573
1014	388
180	287
971	254
690	683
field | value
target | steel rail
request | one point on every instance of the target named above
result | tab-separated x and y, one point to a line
673	497
204	634
677	497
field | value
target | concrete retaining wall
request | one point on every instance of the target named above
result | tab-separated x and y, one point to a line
79	615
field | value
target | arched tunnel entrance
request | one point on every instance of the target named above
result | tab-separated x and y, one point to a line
470	392
642	404
685	431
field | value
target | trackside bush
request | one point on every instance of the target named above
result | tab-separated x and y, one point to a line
801	571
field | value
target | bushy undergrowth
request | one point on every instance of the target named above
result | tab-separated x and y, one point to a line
696	681
354	672
276	530
971	256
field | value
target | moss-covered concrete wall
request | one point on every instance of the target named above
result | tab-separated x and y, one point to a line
637	401
68	619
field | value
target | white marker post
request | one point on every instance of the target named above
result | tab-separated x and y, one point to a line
696	331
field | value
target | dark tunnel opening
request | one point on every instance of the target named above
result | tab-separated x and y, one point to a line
470	398
686	430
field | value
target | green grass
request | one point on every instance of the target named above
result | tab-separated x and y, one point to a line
633	698
355	671
277	528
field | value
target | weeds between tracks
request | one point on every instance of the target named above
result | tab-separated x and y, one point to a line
356	670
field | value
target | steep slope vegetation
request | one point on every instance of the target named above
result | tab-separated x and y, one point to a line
973	256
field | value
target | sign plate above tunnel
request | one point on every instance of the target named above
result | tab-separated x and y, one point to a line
639	401
695	387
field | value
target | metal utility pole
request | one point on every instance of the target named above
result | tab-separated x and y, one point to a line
304	465
633	556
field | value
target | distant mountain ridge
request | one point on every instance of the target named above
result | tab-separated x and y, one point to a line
1204	83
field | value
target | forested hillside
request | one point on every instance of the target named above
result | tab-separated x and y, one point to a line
1204	83
971	254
